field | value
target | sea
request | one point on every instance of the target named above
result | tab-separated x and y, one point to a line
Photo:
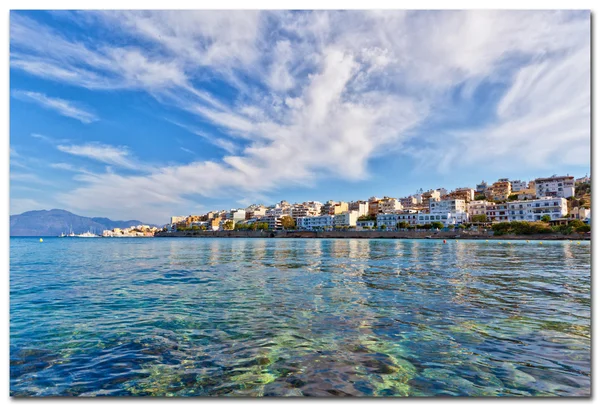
299	317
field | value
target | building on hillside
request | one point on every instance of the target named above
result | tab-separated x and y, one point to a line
255	211
585	179
429	196
555	186
580	213
345	219
534	210
360	206
389	205
408	202
499	190
517	185
236	215
480	188
323	222
374	206
215	223
177	219
464	193
333	208
443	192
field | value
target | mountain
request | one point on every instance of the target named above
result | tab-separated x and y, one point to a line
44	223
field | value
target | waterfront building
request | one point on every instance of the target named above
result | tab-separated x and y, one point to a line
362	224
497	212
345	219
555	186
273	221
499	190
323	222
236	215
334	208
534	210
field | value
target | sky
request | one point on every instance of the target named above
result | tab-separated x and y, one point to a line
148	114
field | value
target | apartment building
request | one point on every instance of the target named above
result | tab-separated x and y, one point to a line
480	188
408	202
273	221
255	211
374	206
361	206
499	190
464	193
389	205
517	185
429	196
323	222
580	213
497	212
362	224
177	219
478	207
236	215
555	186
346	219
534	210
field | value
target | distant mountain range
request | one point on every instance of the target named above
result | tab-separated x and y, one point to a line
44	223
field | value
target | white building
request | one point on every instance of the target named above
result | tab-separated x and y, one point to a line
449	212
346	219
390	220
517	185
273	222
580	213
448	206
555	186
324	222
534	210
408	202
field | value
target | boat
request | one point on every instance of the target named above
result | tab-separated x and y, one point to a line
87	234
71	233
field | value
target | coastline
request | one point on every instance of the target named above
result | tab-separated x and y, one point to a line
442	235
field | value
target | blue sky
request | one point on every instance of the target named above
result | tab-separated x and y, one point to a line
144	115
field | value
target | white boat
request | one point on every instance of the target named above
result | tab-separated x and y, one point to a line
87	234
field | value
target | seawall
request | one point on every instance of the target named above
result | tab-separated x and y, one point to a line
448	235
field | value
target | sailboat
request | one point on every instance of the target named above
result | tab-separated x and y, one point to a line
71	233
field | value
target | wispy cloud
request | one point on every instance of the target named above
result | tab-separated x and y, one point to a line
108	154
189	151
63	107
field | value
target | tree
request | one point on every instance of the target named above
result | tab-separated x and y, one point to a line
228	225
195	227
546	218
288	223
403	224
262	226
480	197
513	197
583	228
479	218
437	224
576	223
383	227
203	228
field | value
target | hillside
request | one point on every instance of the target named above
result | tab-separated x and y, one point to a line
45	223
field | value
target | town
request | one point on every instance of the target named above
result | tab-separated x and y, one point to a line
555	200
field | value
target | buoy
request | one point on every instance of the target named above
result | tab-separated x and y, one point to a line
486	240
444	241
41	240
578	242
540	242
527	240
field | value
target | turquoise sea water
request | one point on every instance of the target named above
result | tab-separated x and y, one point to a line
303	317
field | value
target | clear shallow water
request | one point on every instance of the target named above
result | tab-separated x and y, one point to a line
252	317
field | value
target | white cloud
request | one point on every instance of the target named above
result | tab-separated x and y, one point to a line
63	107
109	154
323	93
21	205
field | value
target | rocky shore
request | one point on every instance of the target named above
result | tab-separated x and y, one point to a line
447	235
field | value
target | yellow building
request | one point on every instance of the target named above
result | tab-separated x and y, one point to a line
499	190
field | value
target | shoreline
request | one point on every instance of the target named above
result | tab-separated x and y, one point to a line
442	235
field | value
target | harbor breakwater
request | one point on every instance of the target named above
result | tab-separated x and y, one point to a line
447	235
